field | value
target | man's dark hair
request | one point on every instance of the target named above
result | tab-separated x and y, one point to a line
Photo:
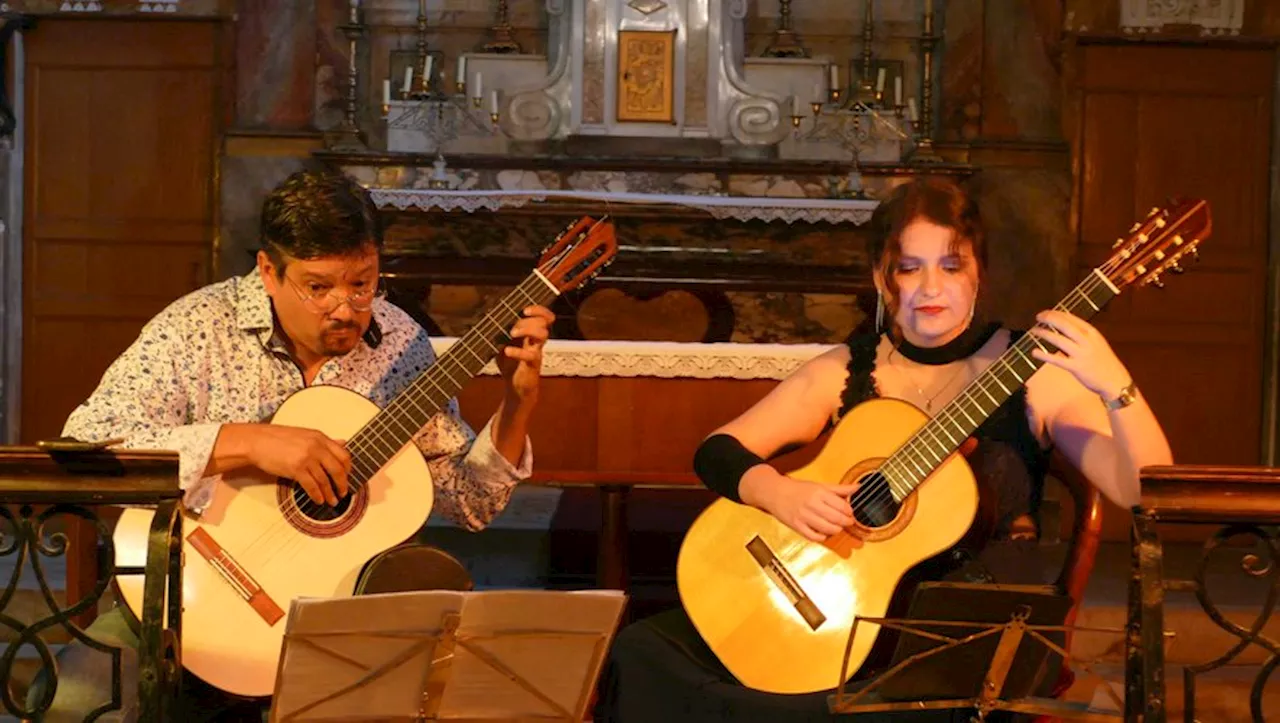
317	213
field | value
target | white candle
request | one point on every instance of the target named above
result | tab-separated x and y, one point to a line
880	81
408	78
422	8
897	90
386	92
911	110
493	101
478	90
426	70
355	12
795	105
835	77
817	93
462	69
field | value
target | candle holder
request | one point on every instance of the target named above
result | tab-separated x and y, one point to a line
786	44
866	119
430	110
924	151
501	40
440	117
347	136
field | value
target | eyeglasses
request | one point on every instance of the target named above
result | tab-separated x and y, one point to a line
327	301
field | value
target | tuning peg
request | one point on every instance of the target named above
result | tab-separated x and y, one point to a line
1119	242
1154	210
1156	282
1176	268
1194	249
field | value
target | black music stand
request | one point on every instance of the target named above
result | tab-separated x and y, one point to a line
969	646
444	655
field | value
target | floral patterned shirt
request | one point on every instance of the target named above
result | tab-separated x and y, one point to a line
215	357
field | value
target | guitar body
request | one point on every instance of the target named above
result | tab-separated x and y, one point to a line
750	618
227	641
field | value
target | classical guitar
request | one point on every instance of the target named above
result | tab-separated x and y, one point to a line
776	608
262	542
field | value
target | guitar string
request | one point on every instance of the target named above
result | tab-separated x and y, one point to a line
304	512
873	492
371	437
359	448
876	492
539	281
882	485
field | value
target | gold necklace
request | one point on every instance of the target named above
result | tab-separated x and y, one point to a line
928	400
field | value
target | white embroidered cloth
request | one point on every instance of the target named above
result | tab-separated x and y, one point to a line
741	208
668	360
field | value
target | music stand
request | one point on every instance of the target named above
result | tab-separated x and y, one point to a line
444	655
972	646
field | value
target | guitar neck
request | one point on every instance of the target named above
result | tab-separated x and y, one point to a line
941	436
393	427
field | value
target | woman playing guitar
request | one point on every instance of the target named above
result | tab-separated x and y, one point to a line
929	255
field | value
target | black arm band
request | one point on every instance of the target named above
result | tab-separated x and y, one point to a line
720	462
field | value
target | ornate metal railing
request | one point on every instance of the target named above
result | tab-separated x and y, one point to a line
44	493
1242	503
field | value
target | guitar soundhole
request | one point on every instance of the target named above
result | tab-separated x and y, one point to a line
873	504
318	511
316	518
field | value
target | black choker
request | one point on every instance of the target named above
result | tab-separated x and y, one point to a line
963	346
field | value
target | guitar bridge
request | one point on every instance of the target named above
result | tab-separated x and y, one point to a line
780	576
236	576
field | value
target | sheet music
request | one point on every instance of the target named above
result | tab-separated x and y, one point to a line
518	653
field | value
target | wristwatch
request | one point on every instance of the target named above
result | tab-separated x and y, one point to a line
1124	399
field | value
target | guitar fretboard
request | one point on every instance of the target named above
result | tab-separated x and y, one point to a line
393	427
943	435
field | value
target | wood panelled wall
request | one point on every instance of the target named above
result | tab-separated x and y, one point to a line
120	171
1153	121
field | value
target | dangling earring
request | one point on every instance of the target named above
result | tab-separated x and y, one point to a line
879	311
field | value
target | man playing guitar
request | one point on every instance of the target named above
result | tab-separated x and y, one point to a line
207	370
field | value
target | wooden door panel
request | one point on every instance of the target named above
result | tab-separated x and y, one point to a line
120	167
1161	121
1212	72
1157	121
1187	402
144	279
153	162
1107	169
1190	305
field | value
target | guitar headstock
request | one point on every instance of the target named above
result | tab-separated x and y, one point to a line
578	253
1158	244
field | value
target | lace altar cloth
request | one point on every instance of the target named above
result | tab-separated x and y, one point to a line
741	208
668	360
